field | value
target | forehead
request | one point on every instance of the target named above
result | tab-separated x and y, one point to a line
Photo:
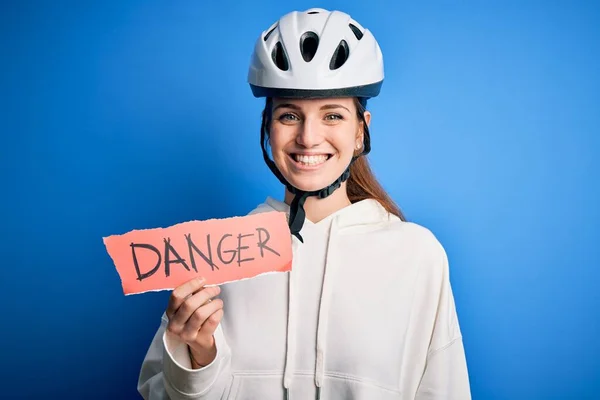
315	103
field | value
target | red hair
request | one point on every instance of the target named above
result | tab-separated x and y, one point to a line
362	183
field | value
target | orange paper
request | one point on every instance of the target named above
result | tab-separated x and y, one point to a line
220	250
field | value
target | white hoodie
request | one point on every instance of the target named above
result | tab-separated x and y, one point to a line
367	313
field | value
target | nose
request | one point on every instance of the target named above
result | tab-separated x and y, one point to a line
309	134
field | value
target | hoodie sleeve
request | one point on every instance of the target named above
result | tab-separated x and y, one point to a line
166	371
446	375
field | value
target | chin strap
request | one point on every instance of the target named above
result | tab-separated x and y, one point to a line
297	213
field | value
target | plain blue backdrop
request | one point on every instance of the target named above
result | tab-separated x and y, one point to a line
119	115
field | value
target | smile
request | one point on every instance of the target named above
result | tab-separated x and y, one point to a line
304	161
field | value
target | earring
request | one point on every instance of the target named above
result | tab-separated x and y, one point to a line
359	143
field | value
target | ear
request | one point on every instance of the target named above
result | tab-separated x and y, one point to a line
360	138
368	118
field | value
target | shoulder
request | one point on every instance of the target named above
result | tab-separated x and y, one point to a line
418	234
419	241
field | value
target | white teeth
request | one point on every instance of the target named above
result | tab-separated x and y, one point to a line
310	160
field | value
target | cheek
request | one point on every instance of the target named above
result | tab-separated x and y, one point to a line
277	142
345	145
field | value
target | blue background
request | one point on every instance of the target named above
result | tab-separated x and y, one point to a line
123	115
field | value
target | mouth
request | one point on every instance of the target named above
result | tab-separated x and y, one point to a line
313	161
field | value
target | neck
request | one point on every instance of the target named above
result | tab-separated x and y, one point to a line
317	209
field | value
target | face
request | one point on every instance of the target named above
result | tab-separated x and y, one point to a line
313	140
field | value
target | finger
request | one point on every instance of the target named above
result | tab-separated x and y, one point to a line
181	293
190	305
210	325
198	319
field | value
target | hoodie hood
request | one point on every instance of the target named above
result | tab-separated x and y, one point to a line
365	213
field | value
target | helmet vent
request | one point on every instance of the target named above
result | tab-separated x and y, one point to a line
269	33
309	42
356	32
312	12
279	57
339	56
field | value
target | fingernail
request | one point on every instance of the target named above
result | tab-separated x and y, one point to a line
201	279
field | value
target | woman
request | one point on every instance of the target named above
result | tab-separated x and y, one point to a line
367	311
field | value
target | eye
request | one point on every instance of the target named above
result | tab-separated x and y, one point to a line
333	117
287	117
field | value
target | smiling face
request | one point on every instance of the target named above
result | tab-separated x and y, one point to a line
313	140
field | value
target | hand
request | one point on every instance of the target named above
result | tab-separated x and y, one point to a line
194	317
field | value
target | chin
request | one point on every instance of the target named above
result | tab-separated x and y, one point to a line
308	186
311	183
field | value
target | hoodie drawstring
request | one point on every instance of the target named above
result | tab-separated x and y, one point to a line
290	351
322	324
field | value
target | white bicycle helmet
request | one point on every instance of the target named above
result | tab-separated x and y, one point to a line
315	54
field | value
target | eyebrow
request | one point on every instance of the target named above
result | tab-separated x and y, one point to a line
325	107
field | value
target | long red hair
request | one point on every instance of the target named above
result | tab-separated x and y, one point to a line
362	183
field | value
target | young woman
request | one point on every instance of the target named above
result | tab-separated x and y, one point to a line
367	311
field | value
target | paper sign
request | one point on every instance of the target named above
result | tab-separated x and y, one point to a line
220	250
